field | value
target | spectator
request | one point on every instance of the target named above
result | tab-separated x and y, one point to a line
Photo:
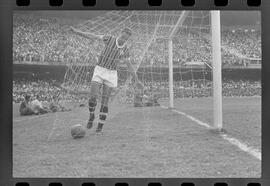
37	106
25	108
46	40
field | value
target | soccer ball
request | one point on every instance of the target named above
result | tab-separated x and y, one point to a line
78	131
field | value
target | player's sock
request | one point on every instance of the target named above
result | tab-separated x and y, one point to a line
91	120
102	117
99	127
92	106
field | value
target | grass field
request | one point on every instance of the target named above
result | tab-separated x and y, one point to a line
140	142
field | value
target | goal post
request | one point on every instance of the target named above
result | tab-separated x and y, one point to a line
176	54
179	22
217	69
171	94
216	66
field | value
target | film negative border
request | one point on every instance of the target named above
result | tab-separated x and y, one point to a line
140	182
147	4
156	3
6	89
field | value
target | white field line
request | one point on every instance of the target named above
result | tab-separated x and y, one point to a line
242	146
53	127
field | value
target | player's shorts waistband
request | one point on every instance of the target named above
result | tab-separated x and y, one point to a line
104	68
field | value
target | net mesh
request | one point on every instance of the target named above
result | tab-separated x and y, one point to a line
148	47
151	31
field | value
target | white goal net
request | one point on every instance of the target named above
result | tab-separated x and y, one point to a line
151	32
171	52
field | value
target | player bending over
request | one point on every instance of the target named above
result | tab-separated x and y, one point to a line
105	73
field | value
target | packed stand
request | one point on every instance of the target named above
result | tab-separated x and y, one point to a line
49	40
203	88
48	92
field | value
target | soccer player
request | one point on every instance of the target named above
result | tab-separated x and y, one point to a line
105	72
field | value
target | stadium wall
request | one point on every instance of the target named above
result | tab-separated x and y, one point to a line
57	72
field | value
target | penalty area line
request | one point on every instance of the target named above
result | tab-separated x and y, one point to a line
242	146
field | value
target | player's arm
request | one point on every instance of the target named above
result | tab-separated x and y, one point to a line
87	35
134	74
127	59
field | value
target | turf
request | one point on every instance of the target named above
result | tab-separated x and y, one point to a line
140	142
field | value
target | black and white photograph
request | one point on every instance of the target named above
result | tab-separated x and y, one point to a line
136	94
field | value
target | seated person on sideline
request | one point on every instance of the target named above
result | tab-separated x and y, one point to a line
25	108
145	99
56	106
37	106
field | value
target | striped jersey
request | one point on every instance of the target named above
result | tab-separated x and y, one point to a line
111	55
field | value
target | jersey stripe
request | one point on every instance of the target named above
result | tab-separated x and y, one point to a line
111	60
108	49
111	54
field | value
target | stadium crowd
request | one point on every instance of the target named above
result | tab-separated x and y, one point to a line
185	89
48	92
48	39
44	89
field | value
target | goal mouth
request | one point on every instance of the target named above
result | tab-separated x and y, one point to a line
149	52
171	52
181	70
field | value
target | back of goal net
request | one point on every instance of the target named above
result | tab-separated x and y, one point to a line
189	32
152	32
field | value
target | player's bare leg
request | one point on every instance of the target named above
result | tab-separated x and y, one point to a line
92	103
106	92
